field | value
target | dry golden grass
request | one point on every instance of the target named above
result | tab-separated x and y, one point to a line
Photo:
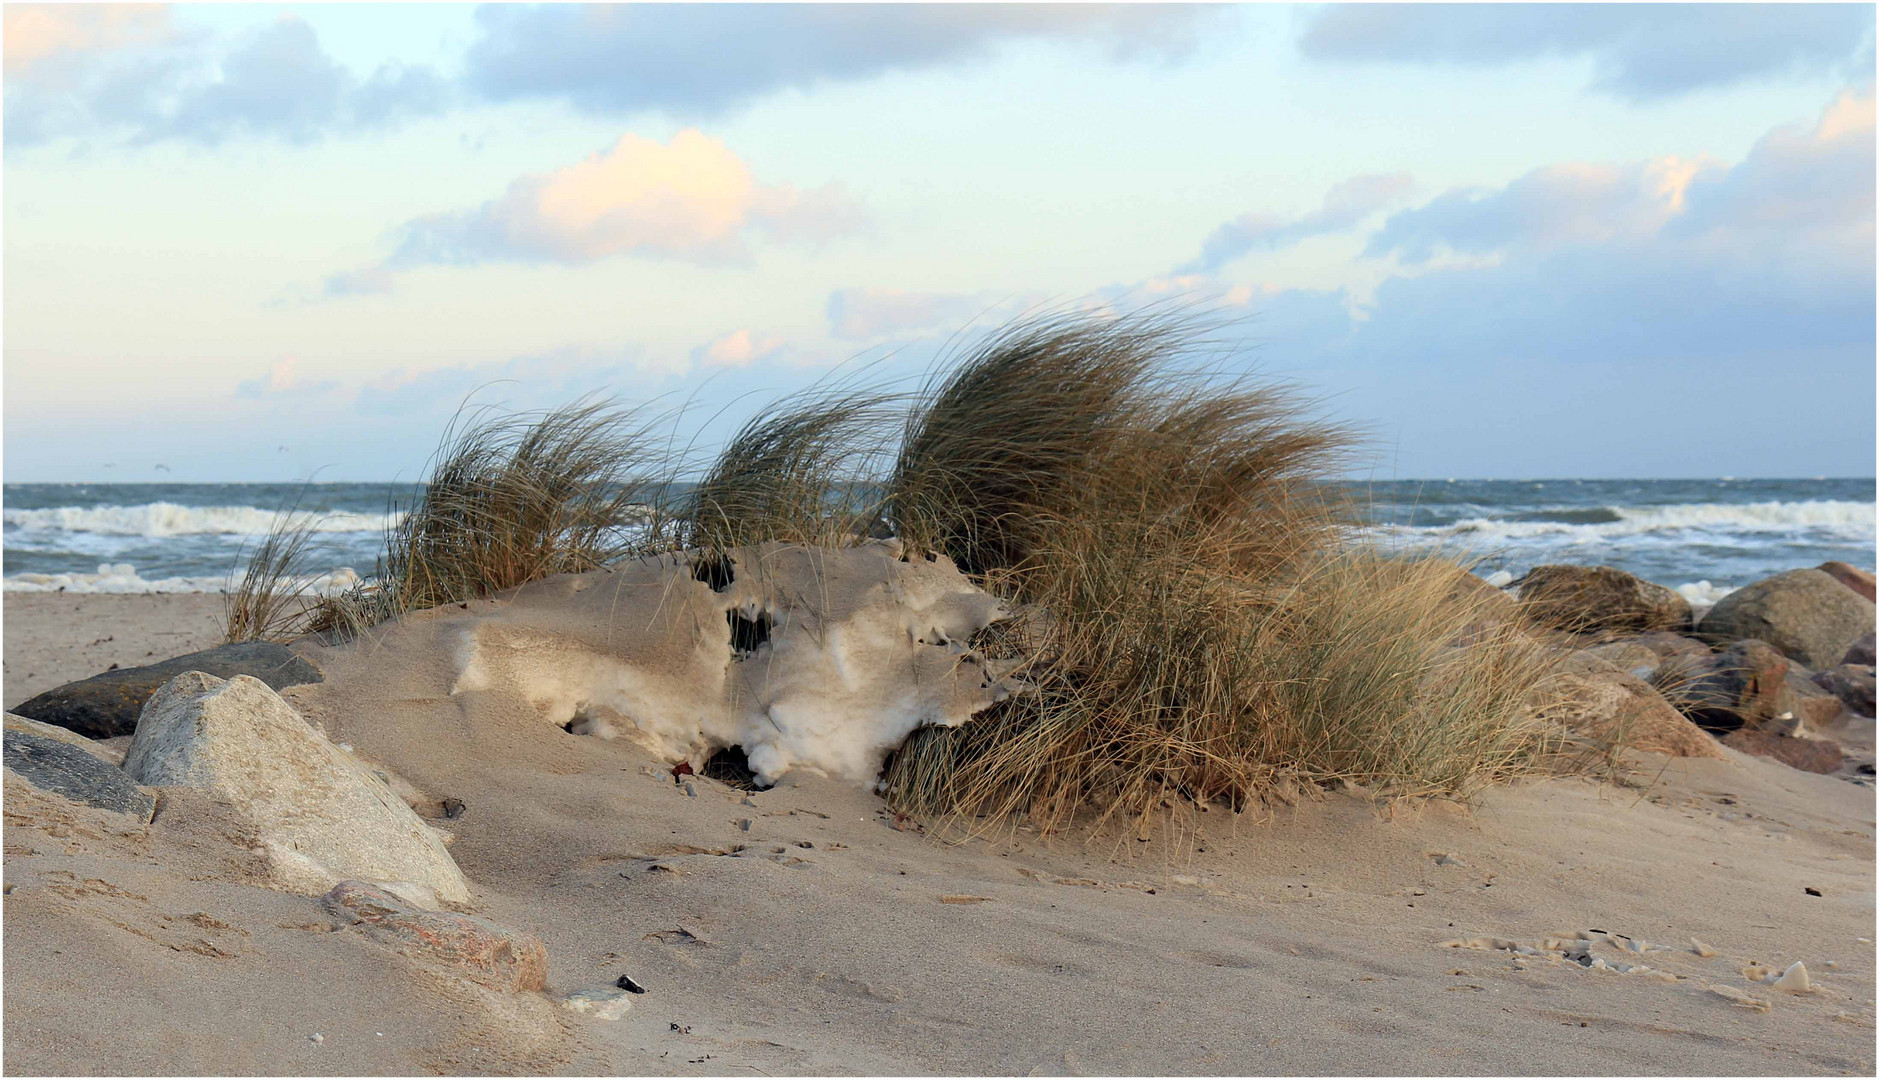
1198	622
269	603
514	498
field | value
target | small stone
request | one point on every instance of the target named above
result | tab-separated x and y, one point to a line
471	948
1449	858
690	790
316	1037
743	824
748	801
1700	948
599	1004
1795	980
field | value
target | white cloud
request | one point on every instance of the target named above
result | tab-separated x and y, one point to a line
737	349
1345	205
691	199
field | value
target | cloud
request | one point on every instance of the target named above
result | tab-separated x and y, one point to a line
1800	203
1345	205
699	60
1689	317
738	349
282	380
38	32
93	72
1641	52
692	199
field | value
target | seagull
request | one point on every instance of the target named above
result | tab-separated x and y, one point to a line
165	468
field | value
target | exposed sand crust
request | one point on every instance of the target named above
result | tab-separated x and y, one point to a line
823	938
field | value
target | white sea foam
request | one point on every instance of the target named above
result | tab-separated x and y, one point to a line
123	578
1840	519
161	519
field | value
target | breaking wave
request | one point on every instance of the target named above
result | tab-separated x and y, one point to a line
1840	519
123	578
162	519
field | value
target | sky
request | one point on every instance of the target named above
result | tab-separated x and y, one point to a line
259	243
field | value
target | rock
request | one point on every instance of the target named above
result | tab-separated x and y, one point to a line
107	705
1860	581
1860	652
1722	691
1666	644
471	948
599	1004
1802	698
320	816
1852	684
1807	755
1805	614
1487	608
61	768
1599	600
1640	660
112	755
1600	700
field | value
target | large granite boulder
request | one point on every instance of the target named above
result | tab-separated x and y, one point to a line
1860	581
321	817
105	706
1600	600
1852	684
73	772
1597	699
1806	614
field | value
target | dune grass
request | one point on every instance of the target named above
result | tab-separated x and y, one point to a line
1196	618
801	471
1208	623
270	601
514	498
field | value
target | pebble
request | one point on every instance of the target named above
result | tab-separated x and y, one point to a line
316	1037
748	801
743	824
690	790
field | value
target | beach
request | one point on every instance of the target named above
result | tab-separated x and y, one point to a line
806	929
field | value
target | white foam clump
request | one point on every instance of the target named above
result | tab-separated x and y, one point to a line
1500	579
1702	596
859	648
123	578
161	519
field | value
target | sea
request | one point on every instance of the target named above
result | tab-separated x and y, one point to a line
1703	537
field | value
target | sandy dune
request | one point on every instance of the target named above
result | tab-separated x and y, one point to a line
823	938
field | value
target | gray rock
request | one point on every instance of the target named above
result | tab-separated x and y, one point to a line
111	755
1852	684
1600	600
1742	684
1805	614
58	767
107	705
319	815
1860	652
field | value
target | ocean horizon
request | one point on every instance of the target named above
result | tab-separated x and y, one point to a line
1701	536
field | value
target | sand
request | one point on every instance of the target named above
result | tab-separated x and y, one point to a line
827	937
55	638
